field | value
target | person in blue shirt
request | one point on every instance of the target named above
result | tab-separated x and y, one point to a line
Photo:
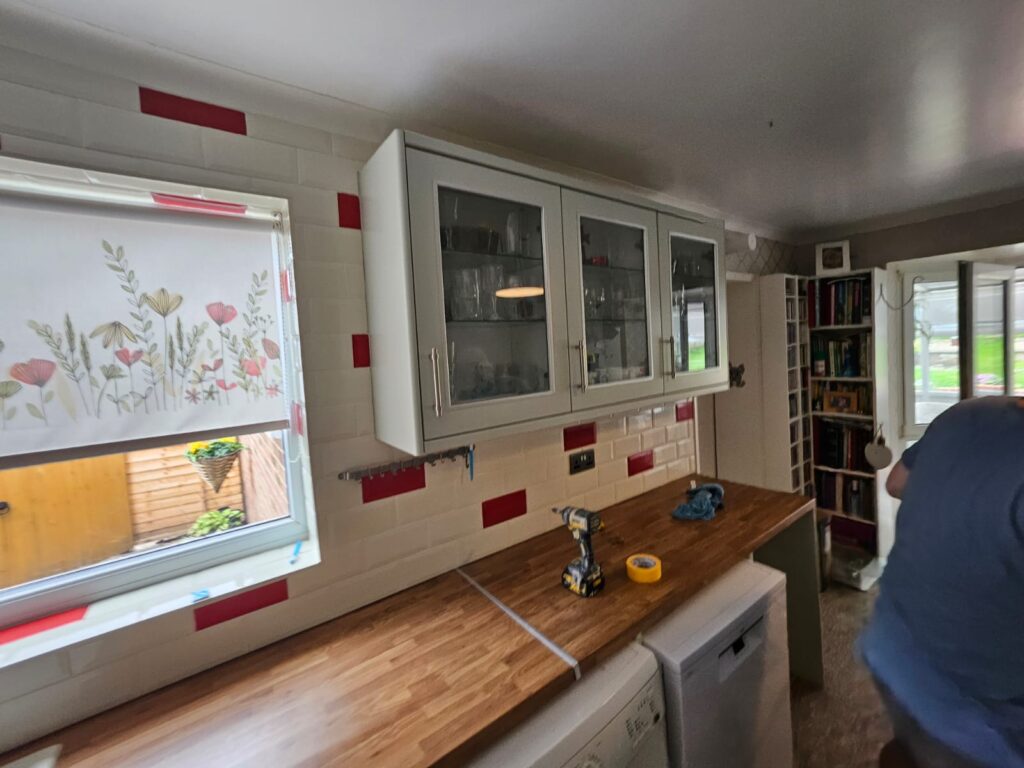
946	640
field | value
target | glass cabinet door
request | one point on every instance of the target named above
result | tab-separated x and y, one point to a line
488	276
611	286
693	284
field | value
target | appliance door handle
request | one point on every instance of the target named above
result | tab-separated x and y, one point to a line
740	649
582	347
436	376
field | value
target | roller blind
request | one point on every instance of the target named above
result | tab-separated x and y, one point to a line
120	323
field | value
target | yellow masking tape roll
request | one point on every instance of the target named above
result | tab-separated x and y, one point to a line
643	569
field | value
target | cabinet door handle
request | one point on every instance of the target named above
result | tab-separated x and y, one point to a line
582	347
4	508
672	355
435	369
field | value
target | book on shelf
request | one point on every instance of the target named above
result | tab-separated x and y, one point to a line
839	301
848	356
850	496
840	445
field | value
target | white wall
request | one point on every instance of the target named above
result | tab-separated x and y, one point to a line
56	112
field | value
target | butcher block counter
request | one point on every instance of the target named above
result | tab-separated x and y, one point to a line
430	675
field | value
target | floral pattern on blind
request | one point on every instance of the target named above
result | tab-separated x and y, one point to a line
160	357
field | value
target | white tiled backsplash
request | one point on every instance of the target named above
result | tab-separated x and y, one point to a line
56	113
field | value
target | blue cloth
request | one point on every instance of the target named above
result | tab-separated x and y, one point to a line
703	501
947	636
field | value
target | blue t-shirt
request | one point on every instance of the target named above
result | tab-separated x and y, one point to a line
952	595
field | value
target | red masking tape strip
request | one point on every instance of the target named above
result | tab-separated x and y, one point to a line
30	628
197	204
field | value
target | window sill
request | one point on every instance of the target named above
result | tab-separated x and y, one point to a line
202	587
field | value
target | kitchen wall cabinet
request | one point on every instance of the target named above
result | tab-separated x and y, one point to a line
614	317
490	358
693	293
502	297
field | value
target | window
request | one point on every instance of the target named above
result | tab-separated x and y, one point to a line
934	334
150	386
960	338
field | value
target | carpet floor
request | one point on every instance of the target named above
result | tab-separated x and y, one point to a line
843	725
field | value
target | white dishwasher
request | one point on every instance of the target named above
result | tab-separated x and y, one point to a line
725	662
613	717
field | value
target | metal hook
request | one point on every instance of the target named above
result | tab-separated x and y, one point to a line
905	304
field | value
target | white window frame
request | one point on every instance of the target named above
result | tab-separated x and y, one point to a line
86	585
910	429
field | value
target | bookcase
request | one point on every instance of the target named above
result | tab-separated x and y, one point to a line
763	430
848	387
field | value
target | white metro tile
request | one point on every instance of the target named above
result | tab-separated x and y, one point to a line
547	493
581	483
133	133
652	438
33	674
676	469
686	447
362	522
627	489
639	422
396	544
337	174
456	524
601	497
332	422
48	709
665	453
352	148
40	113
602	453
250	157
654	478
327	243
626	446
125	642
424	503
612	472
675	432
50	75
664	416
306	205
611	428
283	132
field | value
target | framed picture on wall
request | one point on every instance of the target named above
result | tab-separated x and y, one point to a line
832	258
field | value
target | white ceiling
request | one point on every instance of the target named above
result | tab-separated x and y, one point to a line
795	114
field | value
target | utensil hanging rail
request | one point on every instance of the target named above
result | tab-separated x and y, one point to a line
451	454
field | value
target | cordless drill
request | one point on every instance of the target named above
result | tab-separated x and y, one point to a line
583	575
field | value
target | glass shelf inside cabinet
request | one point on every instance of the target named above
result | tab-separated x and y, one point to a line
614	268
495	303
694	306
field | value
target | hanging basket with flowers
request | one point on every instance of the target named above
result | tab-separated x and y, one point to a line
214	459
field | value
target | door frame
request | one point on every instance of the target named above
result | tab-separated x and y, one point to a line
577	205
427	173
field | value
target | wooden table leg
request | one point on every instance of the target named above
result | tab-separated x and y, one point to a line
795	553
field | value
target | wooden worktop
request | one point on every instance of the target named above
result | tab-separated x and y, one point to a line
414	680
429	675
526	577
